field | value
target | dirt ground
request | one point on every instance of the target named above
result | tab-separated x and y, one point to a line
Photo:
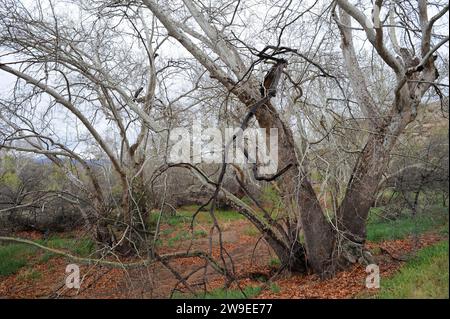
251	259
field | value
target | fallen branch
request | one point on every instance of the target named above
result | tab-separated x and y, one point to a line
146	262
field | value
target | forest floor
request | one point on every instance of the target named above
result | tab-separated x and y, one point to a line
31	273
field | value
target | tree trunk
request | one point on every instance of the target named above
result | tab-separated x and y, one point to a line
361	189
300	201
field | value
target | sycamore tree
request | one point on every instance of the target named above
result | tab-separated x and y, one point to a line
409	50
82	100
272	66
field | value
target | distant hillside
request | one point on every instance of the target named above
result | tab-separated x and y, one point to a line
431	119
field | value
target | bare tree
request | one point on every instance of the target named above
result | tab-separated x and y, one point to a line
71	69
325	243
219	40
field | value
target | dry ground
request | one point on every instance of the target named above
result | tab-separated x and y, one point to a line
253	265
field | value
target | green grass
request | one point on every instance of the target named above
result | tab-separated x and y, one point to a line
184	216
200	233
184	235
180	236
251	231
80	247
274	288
274	262
168	219
425	276
379	229
15	256
222	215
220	293
30	274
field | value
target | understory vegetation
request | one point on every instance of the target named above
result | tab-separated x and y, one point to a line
380	228
424	276
15	256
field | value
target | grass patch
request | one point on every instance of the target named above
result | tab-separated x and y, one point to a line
220	293
275	288
184	235
251	231
274	262
200	233
15	256
80	247
30	274
222	215
379	229
184	216
425	276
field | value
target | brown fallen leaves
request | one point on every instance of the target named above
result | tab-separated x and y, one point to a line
102	282
349	283
98	282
